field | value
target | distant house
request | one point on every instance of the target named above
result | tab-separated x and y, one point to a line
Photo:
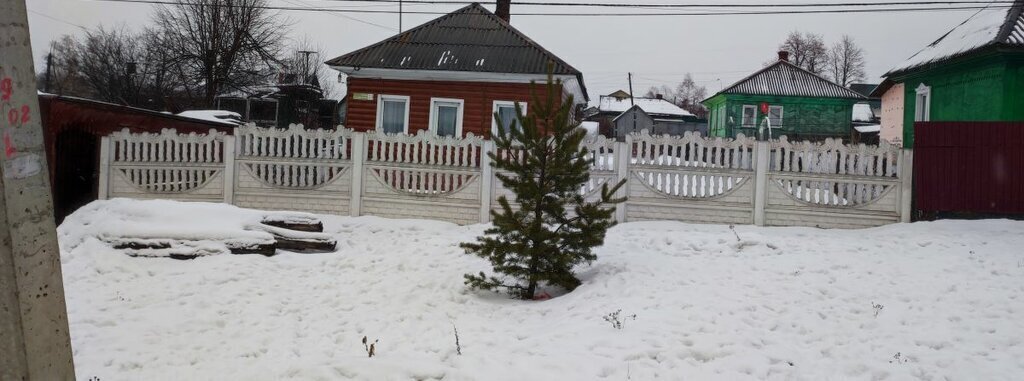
450	76
282	104
802	105
975	72
615	112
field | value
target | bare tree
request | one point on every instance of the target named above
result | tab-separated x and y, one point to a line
807	50
63	69
220	45
690	95
687	94
846	62
304	65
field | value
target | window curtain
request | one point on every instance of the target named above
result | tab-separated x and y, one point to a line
393	116
507	116
446	118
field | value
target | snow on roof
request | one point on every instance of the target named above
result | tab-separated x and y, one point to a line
862	112
869	128
994	24
651	106
220	116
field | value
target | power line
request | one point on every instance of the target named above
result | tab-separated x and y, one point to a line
344	16
59	20
604	14
656	5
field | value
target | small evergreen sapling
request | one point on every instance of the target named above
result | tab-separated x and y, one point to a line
552	228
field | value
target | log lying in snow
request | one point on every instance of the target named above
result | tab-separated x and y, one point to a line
300	241
293	223
292	233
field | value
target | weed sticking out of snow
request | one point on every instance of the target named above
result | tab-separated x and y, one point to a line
899	358
617	321
877	307
458	346
370	347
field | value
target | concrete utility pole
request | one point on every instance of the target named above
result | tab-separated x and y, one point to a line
34	339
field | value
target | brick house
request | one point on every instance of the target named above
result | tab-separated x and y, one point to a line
450	76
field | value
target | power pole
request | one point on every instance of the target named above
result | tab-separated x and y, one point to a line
49	64
631	102
399	16
34	339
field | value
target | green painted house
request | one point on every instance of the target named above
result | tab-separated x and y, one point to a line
975	72
801	105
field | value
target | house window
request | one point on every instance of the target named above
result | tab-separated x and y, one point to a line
393	114
923	105
506	111
775	115
446	116
749	115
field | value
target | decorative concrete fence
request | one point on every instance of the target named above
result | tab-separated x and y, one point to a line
686	178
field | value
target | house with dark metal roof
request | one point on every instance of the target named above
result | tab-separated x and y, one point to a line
974	72
801	104
450	76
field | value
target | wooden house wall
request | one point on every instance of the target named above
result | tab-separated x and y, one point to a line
478	110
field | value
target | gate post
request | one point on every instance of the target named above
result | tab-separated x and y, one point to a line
623	153
104	185
359	141
907	184
761	181
487	181
229	168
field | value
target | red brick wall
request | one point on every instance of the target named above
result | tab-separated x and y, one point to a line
479	100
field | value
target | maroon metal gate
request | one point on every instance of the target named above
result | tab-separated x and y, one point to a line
969	167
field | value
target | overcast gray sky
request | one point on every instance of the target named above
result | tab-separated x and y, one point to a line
718	50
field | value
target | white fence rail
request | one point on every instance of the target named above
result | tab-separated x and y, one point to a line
687	178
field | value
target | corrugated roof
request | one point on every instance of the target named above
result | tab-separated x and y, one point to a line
785	79
994	25
470	39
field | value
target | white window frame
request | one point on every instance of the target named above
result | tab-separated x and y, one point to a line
380	111
743	116
923	103
494	110
782	118
458	117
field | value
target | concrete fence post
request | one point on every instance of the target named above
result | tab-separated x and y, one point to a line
486	181
229	169
761	151
104	185
359	143
906	185
623	154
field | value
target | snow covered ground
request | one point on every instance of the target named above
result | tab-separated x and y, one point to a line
780	303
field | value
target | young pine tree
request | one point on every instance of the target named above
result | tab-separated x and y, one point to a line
553	228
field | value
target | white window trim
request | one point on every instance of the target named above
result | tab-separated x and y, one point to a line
743	116
782	113
380	111
458	117
923	103
494	110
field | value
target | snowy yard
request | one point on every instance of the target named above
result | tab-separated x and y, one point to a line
780	303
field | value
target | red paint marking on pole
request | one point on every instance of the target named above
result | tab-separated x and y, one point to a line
9	149
6	88
25	114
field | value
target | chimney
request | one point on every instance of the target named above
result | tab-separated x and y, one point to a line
659	96
502	9
783	55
